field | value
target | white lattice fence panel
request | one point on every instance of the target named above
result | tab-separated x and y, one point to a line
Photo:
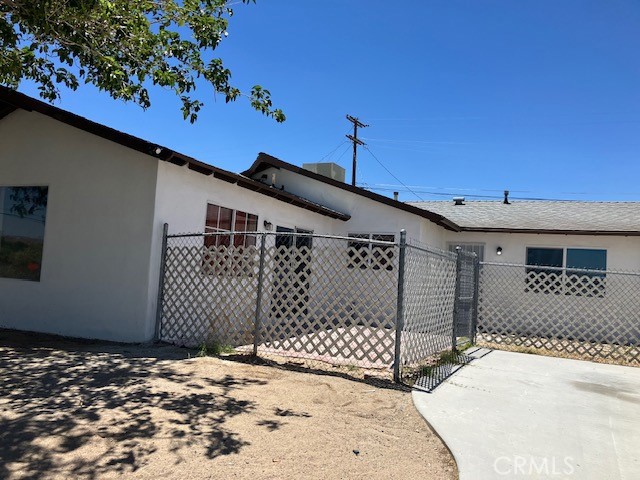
330	302
586	314
209	293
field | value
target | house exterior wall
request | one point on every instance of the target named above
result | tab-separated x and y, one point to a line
367	216
608	313
623	253
181	202
95	269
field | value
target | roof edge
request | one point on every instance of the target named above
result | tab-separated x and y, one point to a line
264	160
17	100
616	233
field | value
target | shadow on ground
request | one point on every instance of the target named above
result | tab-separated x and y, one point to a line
105	402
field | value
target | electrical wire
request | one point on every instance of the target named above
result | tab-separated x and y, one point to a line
391	173
343	152
334	150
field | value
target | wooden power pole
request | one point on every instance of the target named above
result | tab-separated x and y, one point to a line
356	141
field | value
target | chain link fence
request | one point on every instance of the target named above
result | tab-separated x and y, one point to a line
362	303
426	308
585	314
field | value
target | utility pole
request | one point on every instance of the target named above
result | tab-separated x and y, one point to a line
356	141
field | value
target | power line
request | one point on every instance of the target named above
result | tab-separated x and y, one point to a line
342	154
391	173
496	197
328	155
428	142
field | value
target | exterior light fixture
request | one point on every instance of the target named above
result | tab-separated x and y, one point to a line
267	225
499	251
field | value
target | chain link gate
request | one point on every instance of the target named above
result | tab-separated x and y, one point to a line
466	308
427	305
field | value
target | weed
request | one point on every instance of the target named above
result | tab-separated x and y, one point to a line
448	357
214	349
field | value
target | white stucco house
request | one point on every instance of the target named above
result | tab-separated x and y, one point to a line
91	267
82	208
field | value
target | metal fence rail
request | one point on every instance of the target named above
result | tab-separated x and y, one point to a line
587	314
310	298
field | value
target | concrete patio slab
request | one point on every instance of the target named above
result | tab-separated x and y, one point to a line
514	415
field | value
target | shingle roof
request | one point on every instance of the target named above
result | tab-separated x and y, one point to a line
597	218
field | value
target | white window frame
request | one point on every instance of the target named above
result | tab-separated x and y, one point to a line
369	262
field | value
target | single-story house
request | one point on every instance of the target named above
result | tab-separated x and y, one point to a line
82	209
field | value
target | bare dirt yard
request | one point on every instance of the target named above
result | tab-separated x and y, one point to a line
92	410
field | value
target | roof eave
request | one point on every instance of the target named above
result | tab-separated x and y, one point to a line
15	100
618	233
265	161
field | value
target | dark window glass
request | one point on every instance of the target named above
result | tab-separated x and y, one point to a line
240	226
364	254
23	211
382	254
358	250
545	257
544	280
284	240
589	259
224	221
581	283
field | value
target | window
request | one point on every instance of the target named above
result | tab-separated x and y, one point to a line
229	254
23	211
222	219
477	248
568	276
364	254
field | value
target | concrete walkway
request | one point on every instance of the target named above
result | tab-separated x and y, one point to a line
513	415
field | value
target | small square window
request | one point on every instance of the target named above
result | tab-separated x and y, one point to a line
364	253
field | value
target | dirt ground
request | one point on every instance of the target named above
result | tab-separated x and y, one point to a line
79	410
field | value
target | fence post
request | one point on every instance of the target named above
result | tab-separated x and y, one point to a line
476	298
163	260
456	302
256	326
400	307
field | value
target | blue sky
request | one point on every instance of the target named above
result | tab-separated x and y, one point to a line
462	97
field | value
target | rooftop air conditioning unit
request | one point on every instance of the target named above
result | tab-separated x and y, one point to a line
328	169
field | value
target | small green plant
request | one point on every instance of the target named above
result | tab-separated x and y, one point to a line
214	349
448	357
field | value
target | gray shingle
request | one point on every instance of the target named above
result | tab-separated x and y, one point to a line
541	215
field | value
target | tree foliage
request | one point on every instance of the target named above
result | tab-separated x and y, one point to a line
27	201
122	47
